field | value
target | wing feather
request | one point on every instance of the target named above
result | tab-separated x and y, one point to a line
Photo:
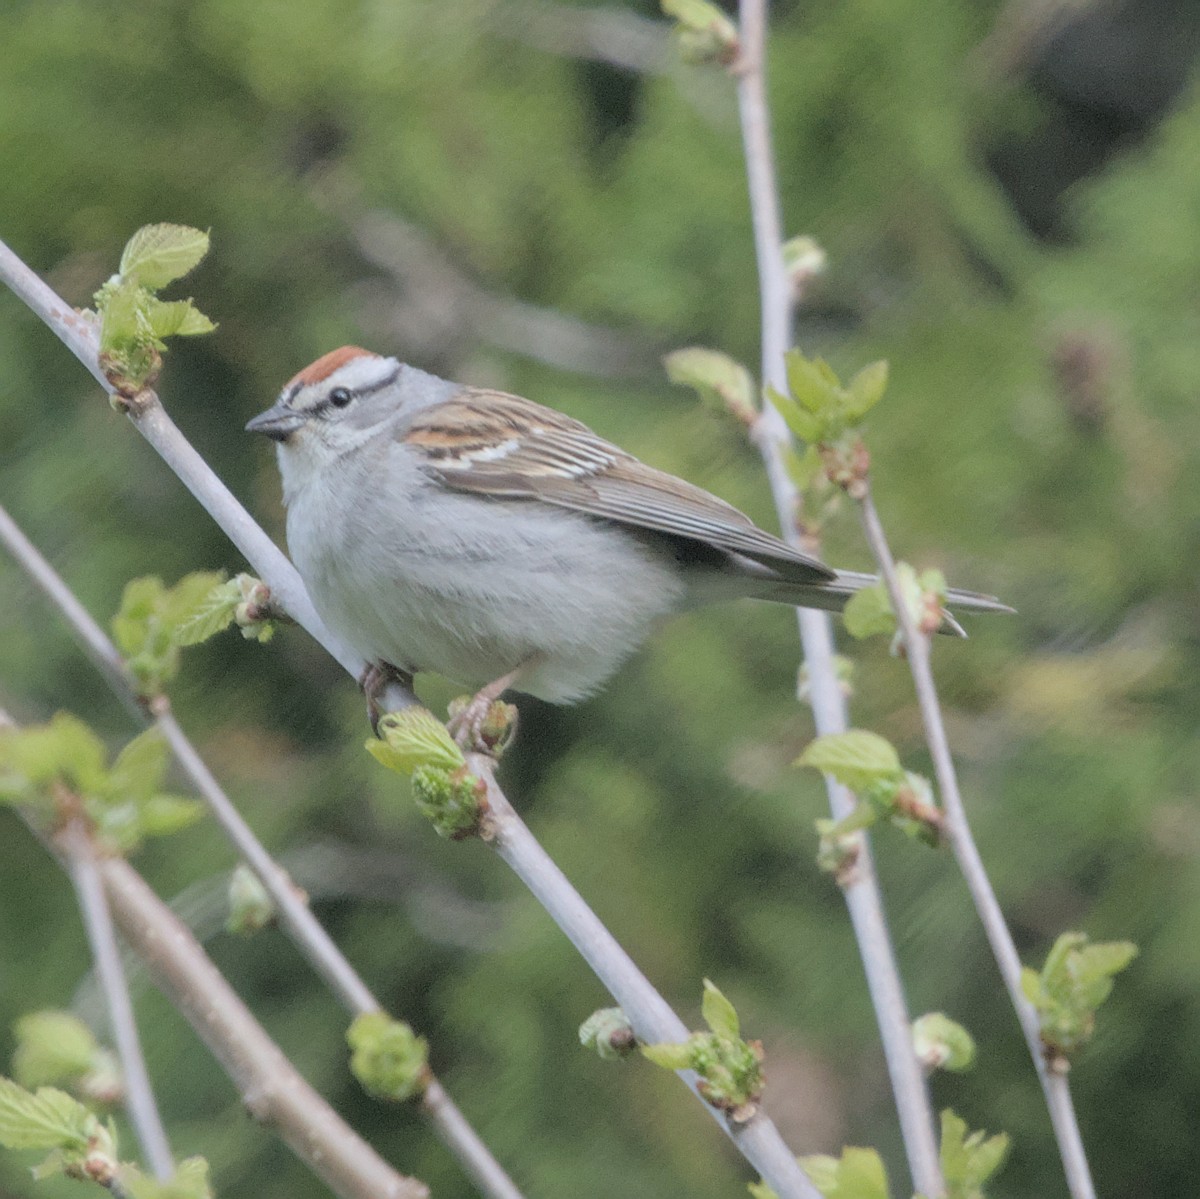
492	443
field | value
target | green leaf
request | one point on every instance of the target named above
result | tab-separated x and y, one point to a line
118	304
695	14
190	1181
807	426
159	254
942	1044
139	600
133	321
719	1014
171	318
1031	986
869	612
162	815
388	1058
182	601
933	582
968	1160
862	816
822	1171
82	755
413	738
1093	966
760	1190
813	385
857	1174
715	377
1074	982
53	1047
669	1056
45	1119
126	824
33	759
147	623
36	755
865	391
138	771
856	758
212	614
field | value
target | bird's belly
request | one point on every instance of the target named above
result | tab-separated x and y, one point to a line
564	597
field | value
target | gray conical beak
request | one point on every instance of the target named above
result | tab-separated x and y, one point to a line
278	423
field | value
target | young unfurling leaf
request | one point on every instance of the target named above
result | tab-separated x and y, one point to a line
856	758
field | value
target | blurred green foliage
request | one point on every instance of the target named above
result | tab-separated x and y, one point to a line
451	183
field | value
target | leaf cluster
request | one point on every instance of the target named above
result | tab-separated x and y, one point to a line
1076	979
134	322
414	743
242	600
869	765
730	1069
50	1119
81	1146
148	625
50	767
968	1160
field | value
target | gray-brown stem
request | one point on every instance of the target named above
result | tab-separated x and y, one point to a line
272	1089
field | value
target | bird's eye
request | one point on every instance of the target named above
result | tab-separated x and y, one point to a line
339	397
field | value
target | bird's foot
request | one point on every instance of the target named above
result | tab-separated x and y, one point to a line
482	724
374	681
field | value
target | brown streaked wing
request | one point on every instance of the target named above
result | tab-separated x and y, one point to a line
492	443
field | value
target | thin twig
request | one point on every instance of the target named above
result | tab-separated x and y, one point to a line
140	1104
297	919
863	898
758	1139
958	831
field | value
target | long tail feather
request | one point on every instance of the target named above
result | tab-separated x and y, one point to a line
832	597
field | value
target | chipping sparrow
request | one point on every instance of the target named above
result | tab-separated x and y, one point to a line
494	541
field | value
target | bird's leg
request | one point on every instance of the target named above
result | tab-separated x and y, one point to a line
374	681
467	720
